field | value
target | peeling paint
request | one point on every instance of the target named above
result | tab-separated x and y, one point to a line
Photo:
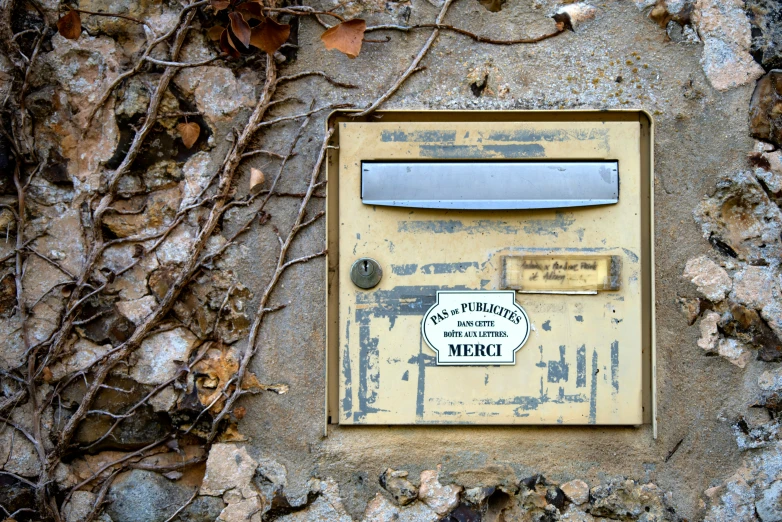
631	255
454	226
427	136
532	150
347	401
581	366
404	270
533	135
448	268
550	227
558	370
593	390
615	367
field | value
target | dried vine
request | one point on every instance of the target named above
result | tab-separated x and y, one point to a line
30	389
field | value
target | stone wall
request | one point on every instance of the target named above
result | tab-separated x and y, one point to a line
161	306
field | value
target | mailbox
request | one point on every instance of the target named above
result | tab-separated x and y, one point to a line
490	268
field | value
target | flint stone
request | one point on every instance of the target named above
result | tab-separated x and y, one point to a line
158	353
83	354
242	511
709	332
574	514
627	499
396	483
726	34
79	506
771	380
754	286
769	507
576	491
202	509
734	351
380	509
17	453
228	466
144	496
217	91
159	210
442	499
741	221
494	474
327	507
477	496
765	119
712	280
138	309
757	287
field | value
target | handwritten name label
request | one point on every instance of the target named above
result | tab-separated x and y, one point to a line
562	274
475	328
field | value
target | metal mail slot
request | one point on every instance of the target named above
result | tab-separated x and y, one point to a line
490	185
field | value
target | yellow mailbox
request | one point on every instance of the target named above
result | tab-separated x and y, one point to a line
490	267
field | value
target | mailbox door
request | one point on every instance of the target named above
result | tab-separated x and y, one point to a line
583	362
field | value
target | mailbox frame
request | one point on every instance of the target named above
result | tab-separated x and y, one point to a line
331	356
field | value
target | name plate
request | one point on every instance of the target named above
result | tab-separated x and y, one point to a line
562	274
475	328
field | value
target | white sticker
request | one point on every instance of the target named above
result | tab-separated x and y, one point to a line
475	328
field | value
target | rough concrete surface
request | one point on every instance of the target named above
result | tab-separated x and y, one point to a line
691	65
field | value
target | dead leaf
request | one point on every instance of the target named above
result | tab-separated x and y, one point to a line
47	374
226	46
346	37
219	5
278	388
240	28
231	434
256	180
211	374
251	10
251	382
214	32
189	132
240	412
269	36
69	26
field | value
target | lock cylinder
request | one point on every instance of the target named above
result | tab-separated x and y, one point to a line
366	273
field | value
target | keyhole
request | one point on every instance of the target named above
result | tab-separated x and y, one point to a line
365	273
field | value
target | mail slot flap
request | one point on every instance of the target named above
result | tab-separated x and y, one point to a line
490	185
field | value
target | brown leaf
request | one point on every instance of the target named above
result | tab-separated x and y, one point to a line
251	382
211	375
236	43
189	132
47	374
226	46
270	35
256	180
214	32
240	28
240	412
251	10
69	26
345	37
231	434
219	5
